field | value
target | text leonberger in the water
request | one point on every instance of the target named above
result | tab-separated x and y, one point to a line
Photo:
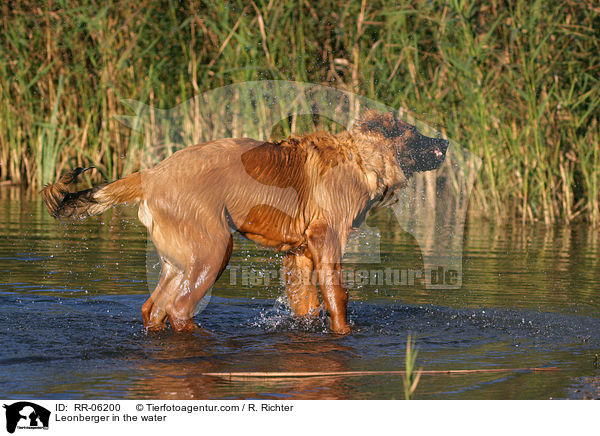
302	195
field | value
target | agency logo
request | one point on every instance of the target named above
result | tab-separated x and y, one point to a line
26	415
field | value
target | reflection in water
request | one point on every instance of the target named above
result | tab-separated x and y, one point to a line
70	322
176	364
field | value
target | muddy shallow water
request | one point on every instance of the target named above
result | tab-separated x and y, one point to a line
70	321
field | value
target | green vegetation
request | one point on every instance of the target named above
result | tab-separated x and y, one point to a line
412	376
517	85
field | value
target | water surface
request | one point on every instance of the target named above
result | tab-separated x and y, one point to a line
70	321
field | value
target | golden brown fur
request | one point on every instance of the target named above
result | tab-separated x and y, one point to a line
61	202
302	196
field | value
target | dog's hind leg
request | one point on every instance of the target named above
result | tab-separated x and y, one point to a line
154	309
211	255
301	289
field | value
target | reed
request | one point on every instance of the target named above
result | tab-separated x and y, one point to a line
516	83
412	375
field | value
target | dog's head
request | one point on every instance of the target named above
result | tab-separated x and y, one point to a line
414	151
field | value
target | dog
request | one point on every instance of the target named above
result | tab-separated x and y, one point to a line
302	196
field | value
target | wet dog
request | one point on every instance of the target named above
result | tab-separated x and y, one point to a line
302	196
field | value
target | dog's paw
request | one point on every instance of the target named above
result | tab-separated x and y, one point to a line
183	325
341	330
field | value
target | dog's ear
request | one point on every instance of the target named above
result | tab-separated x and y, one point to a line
384	124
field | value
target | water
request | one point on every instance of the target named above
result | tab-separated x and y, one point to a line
70	321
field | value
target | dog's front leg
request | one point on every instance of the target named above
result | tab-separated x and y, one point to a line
302	292
325	248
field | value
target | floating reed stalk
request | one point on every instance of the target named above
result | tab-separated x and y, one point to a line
232	375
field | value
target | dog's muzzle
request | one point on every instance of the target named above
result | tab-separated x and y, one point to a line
430	153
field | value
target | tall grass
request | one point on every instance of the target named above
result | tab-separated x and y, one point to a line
412	375
517	83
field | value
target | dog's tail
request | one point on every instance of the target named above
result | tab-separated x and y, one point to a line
62	202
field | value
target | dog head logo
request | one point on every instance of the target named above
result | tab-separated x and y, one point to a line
26	415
